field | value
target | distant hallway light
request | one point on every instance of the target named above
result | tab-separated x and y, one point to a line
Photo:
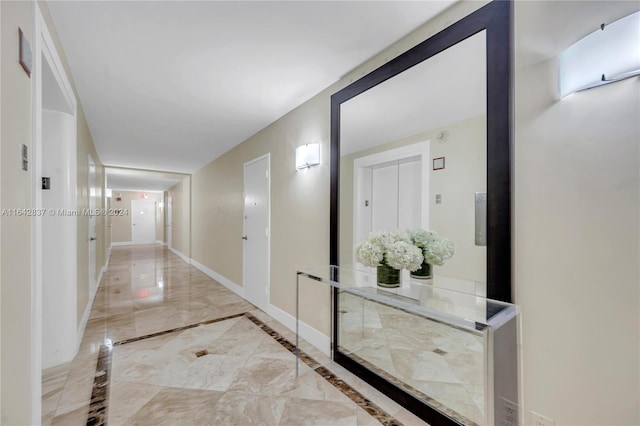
610	54
307	155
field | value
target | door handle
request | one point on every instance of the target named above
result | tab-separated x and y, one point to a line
245	238
92	239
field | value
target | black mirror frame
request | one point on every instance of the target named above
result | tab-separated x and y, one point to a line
496	19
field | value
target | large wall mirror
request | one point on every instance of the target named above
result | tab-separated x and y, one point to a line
424	142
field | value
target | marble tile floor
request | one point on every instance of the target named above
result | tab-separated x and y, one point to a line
232	371
436	362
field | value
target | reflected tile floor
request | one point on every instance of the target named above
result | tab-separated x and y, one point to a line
436	362
237	370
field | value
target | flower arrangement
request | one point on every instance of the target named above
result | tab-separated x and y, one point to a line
435	249
394	249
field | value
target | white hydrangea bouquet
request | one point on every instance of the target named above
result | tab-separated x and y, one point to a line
435	249
389	252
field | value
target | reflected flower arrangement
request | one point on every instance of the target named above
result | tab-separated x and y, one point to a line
393	249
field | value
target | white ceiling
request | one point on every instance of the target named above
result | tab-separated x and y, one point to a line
140	180
171	85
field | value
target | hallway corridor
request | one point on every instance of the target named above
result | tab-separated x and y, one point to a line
166	344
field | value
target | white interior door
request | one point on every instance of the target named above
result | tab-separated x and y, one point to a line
143	221
396	196
384	198
410	195
93	192
255	259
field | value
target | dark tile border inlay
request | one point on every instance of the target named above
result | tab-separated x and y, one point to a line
202	353
363	402
173	330
100	396
412	390
98	409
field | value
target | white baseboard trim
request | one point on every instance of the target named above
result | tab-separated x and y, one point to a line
221	279
308	333
87	309
180	255
131	243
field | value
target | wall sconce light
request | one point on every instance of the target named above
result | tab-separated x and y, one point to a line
307	155
610	54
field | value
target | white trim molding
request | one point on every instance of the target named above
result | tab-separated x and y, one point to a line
92	298
131	243
316	338
182	256
219	278
122	243
319	340
44	50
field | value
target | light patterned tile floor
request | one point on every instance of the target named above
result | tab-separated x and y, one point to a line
242	376
427	358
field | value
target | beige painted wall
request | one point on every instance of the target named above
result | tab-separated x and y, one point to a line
15	278
576	216
299	200
454	217
121	225
1	37
299	203
576	225
15	251
86	148
465	152
181	226
575	209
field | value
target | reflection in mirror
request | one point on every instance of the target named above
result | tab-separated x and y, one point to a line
413	155
424	142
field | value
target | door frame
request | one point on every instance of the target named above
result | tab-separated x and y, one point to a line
43	46
169	225
93	193
419	149
266	156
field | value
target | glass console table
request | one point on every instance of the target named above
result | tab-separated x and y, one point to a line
448	356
